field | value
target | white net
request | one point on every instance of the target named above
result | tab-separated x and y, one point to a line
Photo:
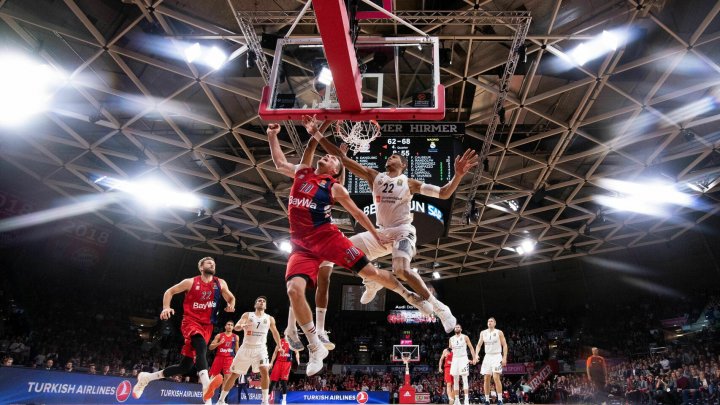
406	357
357	135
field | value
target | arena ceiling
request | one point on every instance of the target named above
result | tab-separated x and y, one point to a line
135	108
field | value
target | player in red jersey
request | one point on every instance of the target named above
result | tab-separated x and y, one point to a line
227	344
202	297
447	356
281	364
314	238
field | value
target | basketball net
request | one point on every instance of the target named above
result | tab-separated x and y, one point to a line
406	359
357	135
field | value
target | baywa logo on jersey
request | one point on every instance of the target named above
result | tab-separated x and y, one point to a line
362	397
211	304
302	202
123	391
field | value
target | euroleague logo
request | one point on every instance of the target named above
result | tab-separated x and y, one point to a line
123	391
362	397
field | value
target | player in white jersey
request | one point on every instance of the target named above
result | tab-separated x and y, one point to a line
495	358
253	351
392	192
460	343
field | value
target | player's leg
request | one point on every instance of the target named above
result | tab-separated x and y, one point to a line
291	332
264	383
450	392
466	389
322	298
498	387
185	365
199	343
283	390
456	388
302	270
240	365
486	387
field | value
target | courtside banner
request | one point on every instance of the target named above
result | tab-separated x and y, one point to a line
24	385
337	397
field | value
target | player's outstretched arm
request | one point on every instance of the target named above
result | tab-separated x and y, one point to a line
463	164
242	322
504	348
341	195
276	152
472	349
228	295
356	168
216	342
276	335
182	286
309	151
479	344
274	356
440	364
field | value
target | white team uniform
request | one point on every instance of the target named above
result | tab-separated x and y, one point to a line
253	351
492	362
392	198
460	363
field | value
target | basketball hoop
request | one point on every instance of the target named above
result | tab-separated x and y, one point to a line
406	357
357	135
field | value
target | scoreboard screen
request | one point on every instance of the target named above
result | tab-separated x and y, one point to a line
430	156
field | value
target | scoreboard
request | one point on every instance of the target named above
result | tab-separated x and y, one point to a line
430	156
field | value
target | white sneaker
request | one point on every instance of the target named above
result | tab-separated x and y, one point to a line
422	305
446	317
221	403
208	402
325	340
457	401
142	382
371	289
467	401
294	341
283	402
317	355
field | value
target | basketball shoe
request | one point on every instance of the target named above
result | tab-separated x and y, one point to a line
322	335
446	317
317	355
212	386
371	289
142	382
294	341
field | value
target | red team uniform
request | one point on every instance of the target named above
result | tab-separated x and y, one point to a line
448	363
314	238
199	312
281	369
224	355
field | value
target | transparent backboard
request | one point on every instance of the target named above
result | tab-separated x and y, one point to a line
410	352
400	80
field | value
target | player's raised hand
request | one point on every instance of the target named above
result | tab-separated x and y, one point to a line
273	128
344	148
166	313
310	124
229	308
467	161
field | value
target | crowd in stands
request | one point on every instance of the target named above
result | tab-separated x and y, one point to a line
97	335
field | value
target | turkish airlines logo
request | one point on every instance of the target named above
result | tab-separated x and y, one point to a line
123	391
362	397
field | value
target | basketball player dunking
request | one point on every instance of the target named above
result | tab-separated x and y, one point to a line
202	296
460	367
495	358
281	363
253	351
315	238
446	358
392	193
227	344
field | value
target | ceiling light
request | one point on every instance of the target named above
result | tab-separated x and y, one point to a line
642	194
527	246
152	192
215	57
610	40
26	86
193	52
436	275
513	205
325	76
285	246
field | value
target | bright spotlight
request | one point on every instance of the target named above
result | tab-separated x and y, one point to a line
152	193
325	76
25	88
285	246
652	194
527	246
193	52
436	275
610	40
513	205
215	57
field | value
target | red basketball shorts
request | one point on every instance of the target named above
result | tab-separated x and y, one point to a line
189	328
447	376
280	371
325	243
221	365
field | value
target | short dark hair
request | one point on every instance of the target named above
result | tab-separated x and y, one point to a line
230	321
262	296
492	319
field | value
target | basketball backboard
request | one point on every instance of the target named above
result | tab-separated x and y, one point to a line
400	80
410	352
